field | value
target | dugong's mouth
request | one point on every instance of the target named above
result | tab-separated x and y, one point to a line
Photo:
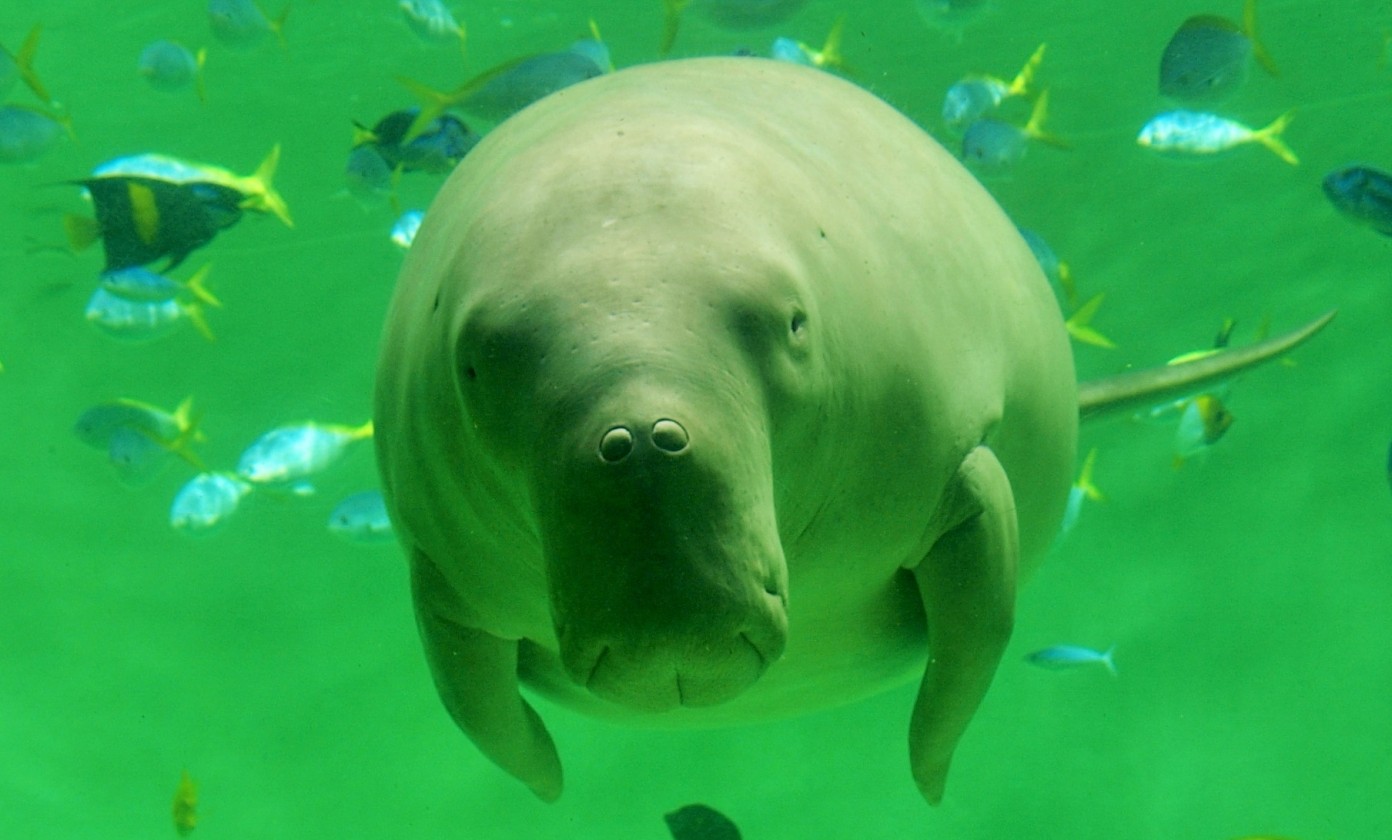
705	666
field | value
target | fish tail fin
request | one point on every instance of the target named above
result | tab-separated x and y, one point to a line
433	103
197	286
1249	28
1108	661
190	432
360	432
199	59
1035	127
263	193
670	24
24	62
81	231
1079	324
194	311
1020	85
277	24
830	54
1066	283
1270	137
1085	482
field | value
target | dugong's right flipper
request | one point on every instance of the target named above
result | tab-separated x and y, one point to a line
476	676
967	582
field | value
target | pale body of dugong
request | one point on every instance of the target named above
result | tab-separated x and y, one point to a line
714	391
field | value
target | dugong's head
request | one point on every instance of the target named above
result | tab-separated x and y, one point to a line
628	346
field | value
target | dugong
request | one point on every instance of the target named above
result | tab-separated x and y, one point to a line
713	391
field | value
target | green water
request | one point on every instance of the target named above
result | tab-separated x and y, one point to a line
1247	593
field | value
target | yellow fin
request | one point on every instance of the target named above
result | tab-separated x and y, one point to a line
196	286
360	432
1022	81
24	62
1035	127
262	194
1085	482
1078	324
1270	138
194	311
670	24
199	59
830	53
277	24
1249	28
187	422
81	231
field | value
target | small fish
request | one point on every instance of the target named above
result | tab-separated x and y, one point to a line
700	822
169	66
141	321
136	458
140	220
185	805
176	431
1201	133
727	14
507	88
1083	489
436	148
432	21
1363	194
1207	57
403	232
1063	657
952	16
287	455
242	24
973	97
994	146
1203	420
256	190
17	67
206	501
362	518
142	285
27	132
829	56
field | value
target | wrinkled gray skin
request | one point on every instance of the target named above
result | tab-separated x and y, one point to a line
715	391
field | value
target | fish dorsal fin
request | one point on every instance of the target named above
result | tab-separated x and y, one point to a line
1147	387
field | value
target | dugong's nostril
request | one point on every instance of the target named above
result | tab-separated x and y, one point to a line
669	436
616	444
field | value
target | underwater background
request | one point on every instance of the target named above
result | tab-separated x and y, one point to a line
1247	592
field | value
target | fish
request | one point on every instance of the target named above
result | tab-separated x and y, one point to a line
185	809
169	66
700	822
27	132
287	455
174	431
1186	132
994	145
1203	420
369	177
503	90
1083	489
1063	657
1079	324
257	191
975	96
142	285
1207	57
142	321
1363	194
432	21
829	56
362	518
727	14
136	458
141	220
436	148
206	501
403	232
19	67
952	16
241	23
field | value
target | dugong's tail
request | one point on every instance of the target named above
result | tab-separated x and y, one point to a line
1147	387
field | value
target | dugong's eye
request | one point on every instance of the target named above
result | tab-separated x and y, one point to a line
798	325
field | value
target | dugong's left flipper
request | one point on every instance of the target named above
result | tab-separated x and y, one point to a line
476	676
967	582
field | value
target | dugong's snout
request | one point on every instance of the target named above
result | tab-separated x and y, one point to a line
668	581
